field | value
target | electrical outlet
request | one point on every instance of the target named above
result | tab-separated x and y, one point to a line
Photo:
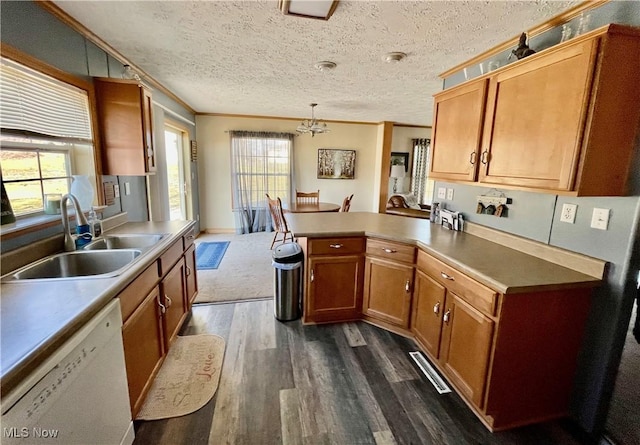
450	194
568	214
116	190
600	219
442	193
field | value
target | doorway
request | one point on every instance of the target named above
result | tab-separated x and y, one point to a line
176	185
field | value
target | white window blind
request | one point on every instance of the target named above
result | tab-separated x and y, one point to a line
34	102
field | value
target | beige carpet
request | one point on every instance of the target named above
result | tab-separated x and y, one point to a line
244	273
188	378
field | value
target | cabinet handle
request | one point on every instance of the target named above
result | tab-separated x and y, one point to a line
190	237
472	158
163	308
312	275
335	246
485	157
389	250
168	300
188	271
407	286
447	277
446	316
436	308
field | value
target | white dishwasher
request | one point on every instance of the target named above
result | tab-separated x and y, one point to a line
79	395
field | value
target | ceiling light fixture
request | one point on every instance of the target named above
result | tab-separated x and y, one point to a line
317	9
325	65
394	57
312	126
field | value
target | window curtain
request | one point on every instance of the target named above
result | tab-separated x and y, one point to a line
419	179
261	163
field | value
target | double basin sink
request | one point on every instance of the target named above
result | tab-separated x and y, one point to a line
105	257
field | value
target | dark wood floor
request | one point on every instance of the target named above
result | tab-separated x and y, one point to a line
341	384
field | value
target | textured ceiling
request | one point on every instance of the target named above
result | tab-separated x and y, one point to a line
246	57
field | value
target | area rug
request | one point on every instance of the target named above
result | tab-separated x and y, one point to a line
209	255
188	378
245	273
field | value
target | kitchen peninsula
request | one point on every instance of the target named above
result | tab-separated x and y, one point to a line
504	325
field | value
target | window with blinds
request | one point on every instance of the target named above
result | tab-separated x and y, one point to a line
45	125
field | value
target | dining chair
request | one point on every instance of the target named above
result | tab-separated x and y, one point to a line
346	204
308	197
279	221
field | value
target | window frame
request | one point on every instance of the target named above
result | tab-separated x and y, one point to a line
38	222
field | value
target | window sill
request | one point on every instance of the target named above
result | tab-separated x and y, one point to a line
29	224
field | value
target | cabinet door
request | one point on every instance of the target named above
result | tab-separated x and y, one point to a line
536	114
143	347
466	345
125	119
428	307
172	295
191	276
387	291
457	132
334	287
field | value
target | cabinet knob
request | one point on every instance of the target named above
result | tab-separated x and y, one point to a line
436	308
485	157
335	246
447	277
472	158
407	286
167	300
446	316
312	275
389	250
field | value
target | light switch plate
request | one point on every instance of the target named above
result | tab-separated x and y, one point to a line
442	193
127	188
600	219
450	194
568	214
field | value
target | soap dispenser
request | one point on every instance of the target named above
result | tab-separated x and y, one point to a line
95	225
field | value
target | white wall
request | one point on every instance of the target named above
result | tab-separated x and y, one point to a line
214	162
401	142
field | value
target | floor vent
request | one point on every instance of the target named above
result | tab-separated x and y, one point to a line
431	373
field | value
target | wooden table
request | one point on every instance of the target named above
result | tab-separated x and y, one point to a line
293	207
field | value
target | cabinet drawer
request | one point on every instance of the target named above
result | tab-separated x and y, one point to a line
135	293
170	257
478	295
391	250
335	246
188	238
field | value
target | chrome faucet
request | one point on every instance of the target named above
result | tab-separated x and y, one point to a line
69	240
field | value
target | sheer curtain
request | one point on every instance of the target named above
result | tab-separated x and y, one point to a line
420	184
261	163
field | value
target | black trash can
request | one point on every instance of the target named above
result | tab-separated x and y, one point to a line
287	284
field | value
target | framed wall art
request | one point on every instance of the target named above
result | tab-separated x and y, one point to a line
400	158
336	164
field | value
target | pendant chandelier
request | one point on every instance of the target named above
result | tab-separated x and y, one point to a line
312	126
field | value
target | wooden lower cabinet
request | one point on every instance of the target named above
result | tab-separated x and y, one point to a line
467	339
173	298
428	306
334	289
388	286
143	347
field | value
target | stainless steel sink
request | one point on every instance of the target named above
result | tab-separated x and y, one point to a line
126	241
78	264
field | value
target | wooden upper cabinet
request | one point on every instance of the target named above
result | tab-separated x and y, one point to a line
564	120
125	116
534	120
458	118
